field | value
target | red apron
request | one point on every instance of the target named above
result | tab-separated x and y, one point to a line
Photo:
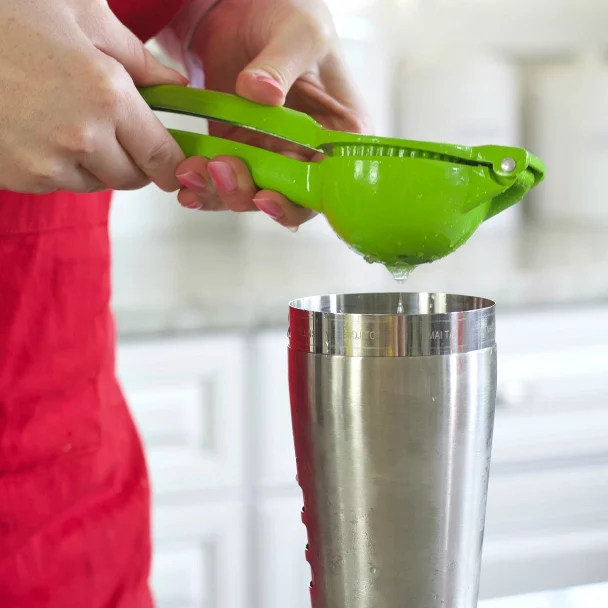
74	497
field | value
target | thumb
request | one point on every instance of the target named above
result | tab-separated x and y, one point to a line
293	50
145	70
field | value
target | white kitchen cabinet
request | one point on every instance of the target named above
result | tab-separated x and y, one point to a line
547	526
187	397
200	556
281	571
552	359
274	455
552	402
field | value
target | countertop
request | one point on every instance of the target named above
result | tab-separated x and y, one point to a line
240	280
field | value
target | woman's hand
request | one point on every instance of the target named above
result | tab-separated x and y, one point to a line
70	115
274	52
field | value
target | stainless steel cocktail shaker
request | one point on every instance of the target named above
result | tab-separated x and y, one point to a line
392	418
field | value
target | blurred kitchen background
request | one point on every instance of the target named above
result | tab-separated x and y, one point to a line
201	305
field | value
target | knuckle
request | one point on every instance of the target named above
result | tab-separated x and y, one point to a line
79	139
325	34
320	29
112	86
43	173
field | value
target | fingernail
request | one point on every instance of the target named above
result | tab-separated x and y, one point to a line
261	77
222	176
268	207
293	229
194	205
192	180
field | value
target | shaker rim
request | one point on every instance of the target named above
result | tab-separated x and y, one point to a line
384	304
391	324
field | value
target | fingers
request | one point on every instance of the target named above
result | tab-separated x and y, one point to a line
349	111
82	181
294	47
77	179
305	51
148	143
281	210
233	183
191	200
121	44
225	183
112	166
149	152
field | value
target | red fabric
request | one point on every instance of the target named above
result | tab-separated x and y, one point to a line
146	17
74	497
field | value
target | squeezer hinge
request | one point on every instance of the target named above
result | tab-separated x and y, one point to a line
508	163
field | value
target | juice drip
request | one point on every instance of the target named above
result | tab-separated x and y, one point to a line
400	271
400	305
401	275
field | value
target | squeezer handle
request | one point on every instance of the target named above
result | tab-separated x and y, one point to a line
279	122
293	178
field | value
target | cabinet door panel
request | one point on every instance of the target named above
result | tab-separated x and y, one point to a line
200	556
275	463
283	574
187	399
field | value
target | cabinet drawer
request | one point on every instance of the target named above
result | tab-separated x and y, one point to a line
548	501
200	556
533	563
533	439
551	330
553	360
566	378
546	530
187	399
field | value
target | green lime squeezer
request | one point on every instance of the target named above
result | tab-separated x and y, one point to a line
398	202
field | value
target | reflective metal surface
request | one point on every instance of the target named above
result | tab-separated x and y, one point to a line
393	456
369	324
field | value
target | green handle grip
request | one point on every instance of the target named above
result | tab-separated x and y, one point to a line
297	180
272	120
